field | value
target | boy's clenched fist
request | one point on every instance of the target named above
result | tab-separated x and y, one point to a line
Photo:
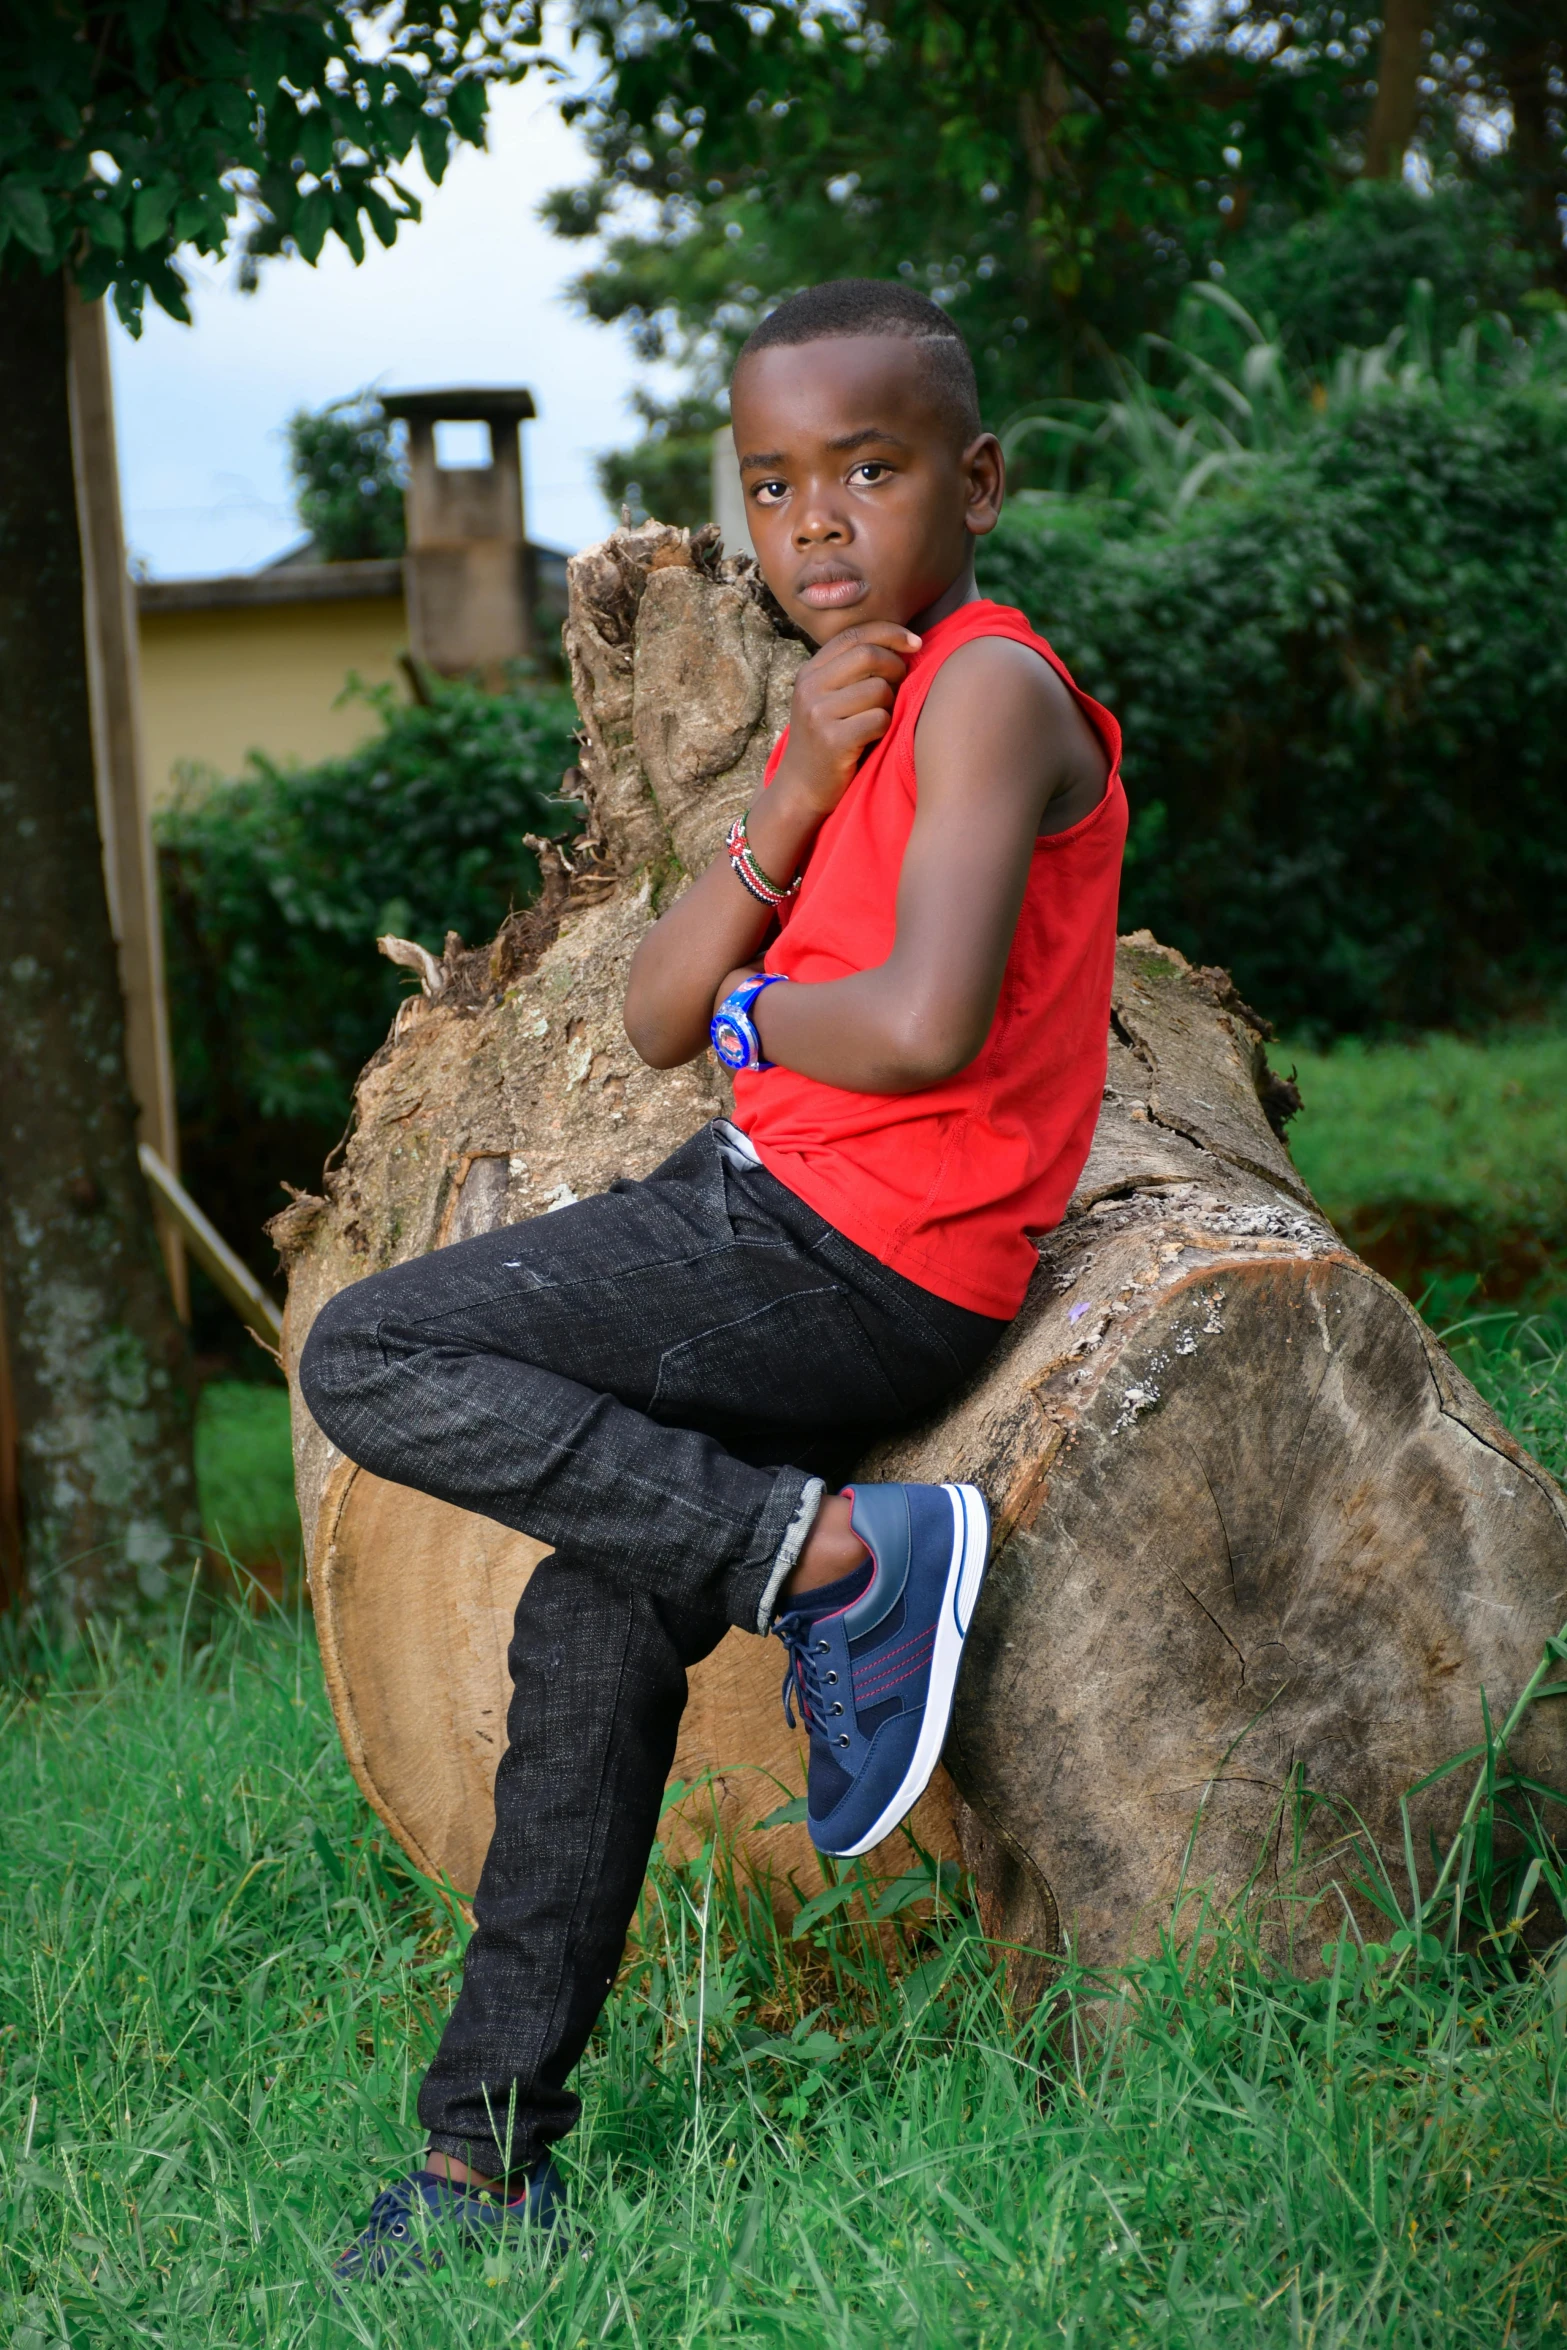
842	704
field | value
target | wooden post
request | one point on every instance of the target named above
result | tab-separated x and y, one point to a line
130	867
729	495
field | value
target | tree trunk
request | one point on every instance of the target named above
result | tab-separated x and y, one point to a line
1405	24
1529	50
99	1366
1255	1536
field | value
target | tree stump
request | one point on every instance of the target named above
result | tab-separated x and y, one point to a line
1255	1532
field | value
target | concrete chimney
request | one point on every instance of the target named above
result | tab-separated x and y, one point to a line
466	572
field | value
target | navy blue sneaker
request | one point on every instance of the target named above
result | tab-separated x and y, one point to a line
409	2220
874	1680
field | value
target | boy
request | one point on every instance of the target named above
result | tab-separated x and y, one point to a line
905	954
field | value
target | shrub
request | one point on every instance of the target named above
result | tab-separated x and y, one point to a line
1341	677
1343	275
275	888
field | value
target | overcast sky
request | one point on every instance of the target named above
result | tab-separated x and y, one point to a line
470	295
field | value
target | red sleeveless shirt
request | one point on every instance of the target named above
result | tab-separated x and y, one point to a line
946	1185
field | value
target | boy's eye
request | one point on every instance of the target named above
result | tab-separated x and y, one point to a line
769	492
871	471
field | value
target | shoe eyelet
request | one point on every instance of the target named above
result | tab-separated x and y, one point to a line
830	1676
399	2227
844	1740
824	1648
837	1705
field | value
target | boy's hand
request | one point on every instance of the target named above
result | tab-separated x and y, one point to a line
842	704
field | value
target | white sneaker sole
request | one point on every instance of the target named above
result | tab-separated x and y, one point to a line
965	1574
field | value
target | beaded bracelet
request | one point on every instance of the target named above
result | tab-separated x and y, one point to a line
743	858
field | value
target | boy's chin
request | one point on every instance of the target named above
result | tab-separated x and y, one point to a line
822	627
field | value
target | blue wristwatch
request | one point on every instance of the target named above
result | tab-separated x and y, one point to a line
732	1029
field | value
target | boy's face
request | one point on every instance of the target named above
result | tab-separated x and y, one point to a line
862	505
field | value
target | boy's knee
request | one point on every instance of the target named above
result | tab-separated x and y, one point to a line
343	1346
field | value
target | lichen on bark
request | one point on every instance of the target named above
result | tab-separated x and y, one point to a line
99	1367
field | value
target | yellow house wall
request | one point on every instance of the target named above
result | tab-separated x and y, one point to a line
217	684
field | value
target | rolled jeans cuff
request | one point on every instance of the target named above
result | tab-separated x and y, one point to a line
787	1556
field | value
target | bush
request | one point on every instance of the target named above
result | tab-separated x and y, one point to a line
1341	680
1343	276
275	889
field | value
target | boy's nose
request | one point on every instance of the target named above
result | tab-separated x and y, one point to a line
820	526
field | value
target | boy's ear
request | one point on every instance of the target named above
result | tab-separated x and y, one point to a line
985	482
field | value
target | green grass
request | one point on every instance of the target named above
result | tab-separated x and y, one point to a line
245	1474
1519	1364
219	1984
1444	1157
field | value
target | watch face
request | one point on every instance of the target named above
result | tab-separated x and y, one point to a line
731	1042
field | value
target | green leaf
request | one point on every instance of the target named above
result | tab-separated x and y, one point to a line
921	1884
1426	1946
150	213
382	218
94	274
787	1814
1456	1762
822	1905
924	1983
312	218
61	116
346	223
128	303
327	1857
819	2047
467	103
106	224
143	18
316	144
25	215
233	110
167	288
435	146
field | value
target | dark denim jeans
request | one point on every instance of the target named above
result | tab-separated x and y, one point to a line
657	1381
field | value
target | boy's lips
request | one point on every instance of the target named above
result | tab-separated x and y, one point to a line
826	591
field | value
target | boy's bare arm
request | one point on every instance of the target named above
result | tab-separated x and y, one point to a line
999	741
842	704
1001	751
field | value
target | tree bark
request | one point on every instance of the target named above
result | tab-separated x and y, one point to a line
1405	24
1258	1543
1529	48
99	1366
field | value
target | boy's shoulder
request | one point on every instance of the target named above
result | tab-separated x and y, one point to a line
998	671
1000	691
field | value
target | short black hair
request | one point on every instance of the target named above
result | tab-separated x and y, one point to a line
881	306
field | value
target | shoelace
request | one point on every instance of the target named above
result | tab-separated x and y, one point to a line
802	1681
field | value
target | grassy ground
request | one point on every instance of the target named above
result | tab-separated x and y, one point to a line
219	1984
245	1473
1444	1159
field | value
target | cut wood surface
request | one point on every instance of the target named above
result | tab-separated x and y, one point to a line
1256	1535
